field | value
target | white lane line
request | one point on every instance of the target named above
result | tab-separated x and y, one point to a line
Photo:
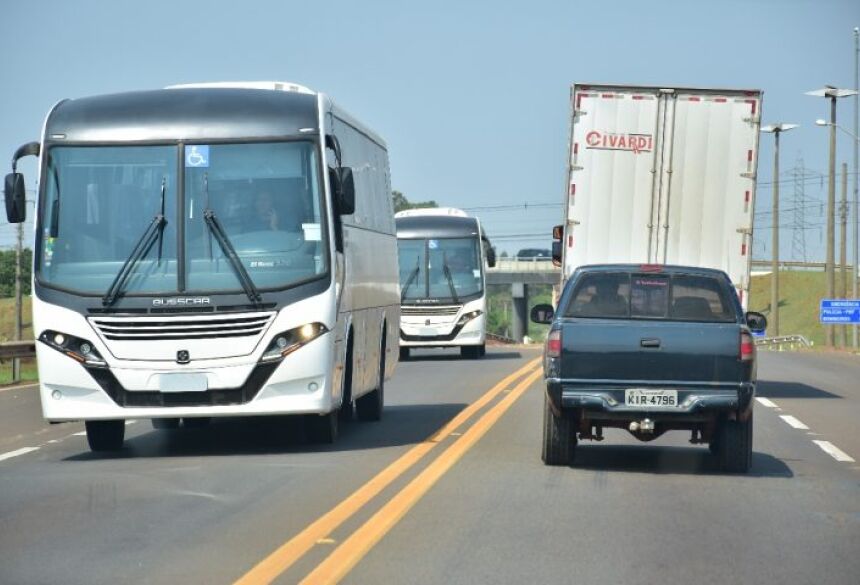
81	434
834	451
16	452
790	420
766	402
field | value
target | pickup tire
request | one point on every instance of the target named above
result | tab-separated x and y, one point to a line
734	445
105	435
559	437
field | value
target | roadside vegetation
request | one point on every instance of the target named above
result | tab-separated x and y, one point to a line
800	293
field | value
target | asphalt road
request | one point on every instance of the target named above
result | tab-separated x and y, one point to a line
401	501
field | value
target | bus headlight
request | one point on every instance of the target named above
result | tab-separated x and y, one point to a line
466	317
283	344
76	348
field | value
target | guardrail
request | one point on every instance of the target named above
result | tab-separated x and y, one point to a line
795	265
524	265
17	349
783	342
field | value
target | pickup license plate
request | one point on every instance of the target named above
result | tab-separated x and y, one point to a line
641	398
183	382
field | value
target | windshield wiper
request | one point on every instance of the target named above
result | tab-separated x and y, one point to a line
447	272
221	236
411	278
154	231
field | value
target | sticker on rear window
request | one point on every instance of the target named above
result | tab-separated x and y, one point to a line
197	155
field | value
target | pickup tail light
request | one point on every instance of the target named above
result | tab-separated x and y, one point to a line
553	344
747	349
552	354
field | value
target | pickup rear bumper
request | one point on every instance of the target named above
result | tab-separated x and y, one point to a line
694	401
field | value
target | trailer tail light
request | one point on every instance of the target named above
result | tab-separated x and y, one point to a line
747	349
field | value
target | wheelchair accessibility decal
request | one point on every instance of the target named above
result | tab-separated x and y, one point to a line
197	155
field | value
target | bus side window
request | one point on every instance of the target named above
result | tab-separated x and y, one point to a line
337	219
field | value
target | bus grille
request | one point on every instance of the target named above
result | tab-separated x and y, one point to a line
429	311
175	328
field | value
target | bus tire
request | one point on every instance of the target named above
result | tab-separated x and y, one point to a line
346	405
404	353
369	407
322	428
105	435
472	352
165	424
196	422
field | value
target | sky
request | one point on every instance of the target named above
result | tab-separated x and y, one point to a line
471	97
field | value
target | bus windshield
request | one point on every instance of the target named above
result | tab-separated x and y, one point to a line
99	200
444	269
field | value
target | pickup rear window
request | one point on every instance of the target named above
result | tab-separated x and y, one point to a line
677	297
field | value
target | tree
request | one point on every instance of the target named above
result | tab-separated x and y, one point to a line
401	202
7	272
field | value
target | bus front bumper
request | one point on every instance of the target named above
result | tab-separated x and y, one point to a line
300	383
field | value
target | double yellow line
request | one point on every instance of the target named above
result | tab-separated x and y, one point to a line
351	550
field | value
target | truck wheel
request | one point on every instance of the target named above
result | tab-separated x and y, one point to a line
165	424
734	445
105	435
369	407
322	428
559	438
404	353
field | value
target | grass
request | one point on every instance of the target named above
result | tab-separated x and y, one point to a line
799	296
7	333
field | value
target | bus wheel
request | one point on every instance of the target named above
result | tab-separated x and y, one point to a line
322	428
346	406
105	435
472	352
404	353
196	422
165	424
369	406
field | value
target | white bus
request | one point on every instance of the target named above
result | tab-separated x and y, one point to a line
210	250
443	254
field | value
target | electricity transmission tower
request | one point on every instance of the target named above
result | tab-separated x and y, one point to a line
799	227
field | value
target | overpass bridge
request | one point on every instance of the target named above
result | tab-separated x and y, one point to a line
520	273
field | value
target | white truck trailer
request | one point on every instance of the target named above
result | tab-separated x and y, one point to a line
661	176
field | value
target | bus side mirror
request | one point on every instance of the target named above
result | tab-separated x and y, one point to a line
558	232
556	253
16	198
491	257
346	197
542	314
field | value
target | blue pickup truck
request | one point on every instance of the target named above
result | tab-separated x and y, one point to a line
650	349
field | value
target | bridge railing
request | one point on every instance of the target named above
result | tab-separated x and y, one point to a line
524	265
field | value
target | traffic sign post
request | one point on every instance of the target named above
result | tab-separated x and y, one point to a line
834	311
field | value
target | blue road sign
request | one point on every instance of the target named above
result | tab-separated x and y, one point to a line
839	311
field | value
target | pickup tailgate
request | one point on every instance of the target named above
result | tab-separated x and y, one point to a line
611	352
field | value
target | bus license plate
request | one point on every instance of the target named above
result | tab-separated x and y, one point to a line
183	382
641	398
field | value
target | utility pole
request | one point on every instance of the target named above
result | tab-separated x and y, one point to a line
19	309
832	93
798	232
854	222
776	129
843	244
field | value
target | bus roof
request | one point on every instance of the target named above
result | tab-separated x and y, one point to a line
436	226
192	114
